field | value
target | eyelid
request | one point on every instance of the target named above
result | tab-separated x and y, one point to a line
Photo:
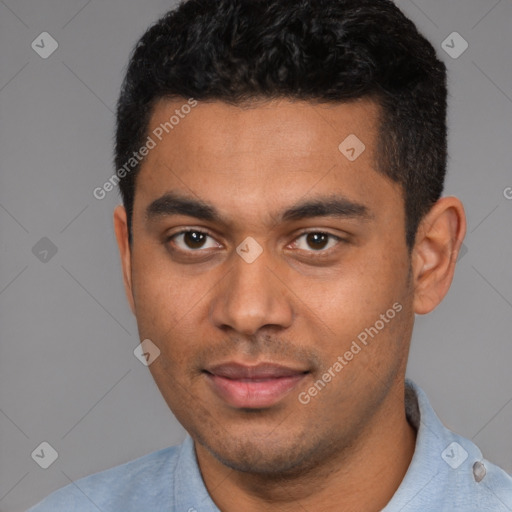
204	231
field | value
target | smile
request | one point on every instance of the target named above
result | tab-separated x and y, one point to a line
253	387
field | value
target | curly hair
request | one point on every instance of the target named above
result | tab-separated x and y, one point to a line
238	51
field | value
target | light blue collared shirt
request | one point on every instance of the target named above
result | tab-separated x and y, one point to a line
447	474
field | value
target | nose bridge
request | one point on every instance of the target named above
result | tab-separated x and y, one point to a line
251	296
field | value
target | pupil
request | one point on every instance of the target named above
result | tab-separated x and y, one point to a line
194	239
317	239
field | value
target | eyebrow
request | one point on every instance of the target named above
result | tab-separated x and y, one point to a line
173	204
331	206
326	206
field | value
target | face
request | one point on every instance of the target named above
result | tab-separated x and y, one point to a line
272	273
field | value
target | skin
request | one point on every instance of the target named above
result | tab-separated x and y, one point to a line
298	304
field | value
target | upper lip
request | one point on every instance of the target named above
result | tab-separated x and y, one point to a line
237	371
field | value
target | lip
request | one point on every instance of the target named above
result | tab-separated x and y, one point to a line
253	387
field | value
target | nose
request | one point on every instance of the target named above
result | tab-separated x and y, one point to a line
251	296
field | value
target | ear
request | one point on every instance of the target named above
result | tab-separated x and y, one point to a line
438	241
121	230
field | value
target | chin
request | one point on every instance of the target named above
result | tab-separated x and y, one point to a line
263	455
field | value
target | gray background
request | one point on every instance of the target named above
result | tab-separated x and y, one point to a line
68	375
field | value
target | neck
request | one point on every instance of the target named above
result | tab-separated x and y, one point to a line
362	476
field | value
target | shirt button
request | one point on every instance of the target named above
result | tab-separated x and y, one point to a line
479	471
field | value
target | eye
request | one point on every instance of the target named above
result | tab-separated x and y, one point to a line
192	240
318	241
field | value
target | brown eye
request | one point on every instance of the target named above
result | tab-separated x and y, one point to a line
192	240
317	241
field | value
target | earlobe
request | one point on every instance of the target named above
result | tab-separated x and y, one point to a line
121	231
435	252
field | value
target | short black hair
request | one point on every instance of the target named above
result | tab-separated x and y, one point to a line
328	51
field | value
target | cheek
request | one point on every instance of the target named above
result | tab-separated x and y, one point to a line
354	299
172	311
163	297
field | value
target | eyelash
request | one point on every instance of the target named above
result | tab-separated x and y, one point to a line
317	253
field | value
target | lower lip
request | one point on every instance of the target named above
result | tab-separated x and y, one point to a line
253	394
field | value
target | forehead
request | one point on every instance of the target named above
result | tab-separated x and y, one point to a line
268	125
248	158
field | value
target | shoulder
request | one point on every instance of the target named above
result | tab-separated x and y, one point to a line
488	485
448	471
135	485
471	482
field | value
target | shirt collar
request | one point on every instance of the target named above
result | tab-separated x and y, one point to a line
429	475
190	493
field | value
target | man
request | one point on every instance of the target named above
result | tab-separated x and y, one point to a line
281	165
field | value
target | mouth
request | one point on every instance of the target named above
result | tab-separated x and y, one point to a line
253	387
